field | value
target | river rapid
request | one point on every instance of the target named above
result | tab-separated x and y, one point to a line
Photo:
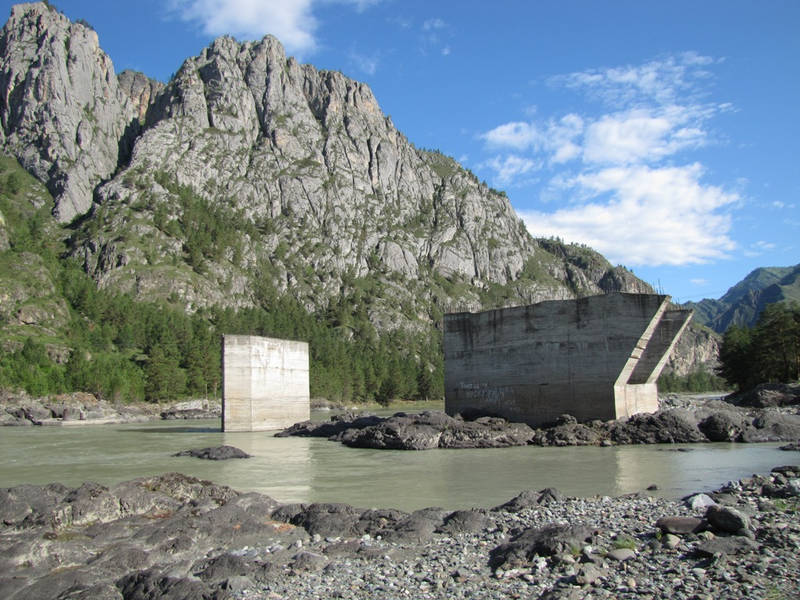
316	470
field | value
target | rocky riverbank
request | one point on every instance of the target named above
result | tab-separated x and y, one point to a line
174	536
20	409
680	420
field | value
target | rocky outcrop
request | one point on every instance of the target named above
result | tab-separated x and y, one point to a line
696	350
62	113
424	431
174	536
706	421
768	394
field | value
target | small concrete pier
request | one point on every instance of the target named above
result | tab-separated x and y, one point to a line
265	383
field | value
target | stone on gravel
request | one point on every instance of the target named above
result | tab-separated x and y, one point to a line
699	502
725	545
530	499
308	561
588	574
621	554
727	519
550	540
680	525
464	521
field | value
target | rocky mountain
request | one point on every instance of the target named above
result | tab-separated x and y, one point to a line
249	175
742	304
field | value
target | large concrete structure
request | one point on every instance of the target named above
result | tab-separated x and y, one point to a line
594	358
264	383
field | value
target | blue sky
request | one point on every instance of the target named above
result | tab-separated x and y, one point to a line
663	134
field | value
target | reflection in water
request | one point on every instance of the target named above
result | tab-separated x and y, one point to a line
313	469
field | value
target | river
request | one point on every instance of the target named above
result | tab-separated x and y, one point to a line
314	469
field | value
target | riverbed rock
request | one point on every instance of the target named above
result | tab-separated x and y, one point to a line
699	502
336	425
773	427
727	519
530	499
725	545
681	525
329	519
669	426
724	426
215	453
396	433
180	537
549	540
621	554
464	521
485	432
767	395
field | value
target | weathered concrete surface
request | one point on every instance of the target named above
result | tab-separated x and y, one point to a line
265	383
594	358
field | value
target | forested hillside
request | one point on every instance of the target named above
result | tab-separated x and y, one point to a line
744	302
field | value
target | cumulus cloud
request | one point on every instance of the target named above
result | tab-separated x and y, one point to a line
616	170
291	21
557	137
641	135
510	167
638	215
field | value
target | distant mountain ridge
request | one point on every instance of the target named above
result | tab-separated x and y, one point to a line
249	175
742	304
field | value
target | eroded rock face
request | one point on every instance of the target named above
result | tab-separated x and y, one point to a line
63	115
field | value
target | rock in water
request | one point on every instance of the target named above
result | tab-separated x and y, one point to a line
215	453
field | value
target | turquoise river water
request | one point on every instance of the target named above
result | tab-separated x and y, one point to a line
313	469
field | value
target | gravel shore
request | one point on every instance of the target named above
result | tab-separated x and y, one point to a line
177	537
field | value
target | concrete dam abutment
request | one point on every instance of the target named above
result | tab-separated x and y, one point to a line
595	358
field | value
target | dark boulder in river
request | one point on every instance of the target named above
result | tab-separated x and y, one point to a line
215	453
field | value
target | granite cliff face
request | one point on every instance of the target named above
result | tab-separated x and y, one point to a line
250	174
63	114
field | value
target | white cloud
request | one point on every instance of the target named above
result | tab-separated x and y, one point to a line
638	215
510	167
628	137
557	137
641	135
431	24
661	81
367	64
291	21
517	135
699	281
617	172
